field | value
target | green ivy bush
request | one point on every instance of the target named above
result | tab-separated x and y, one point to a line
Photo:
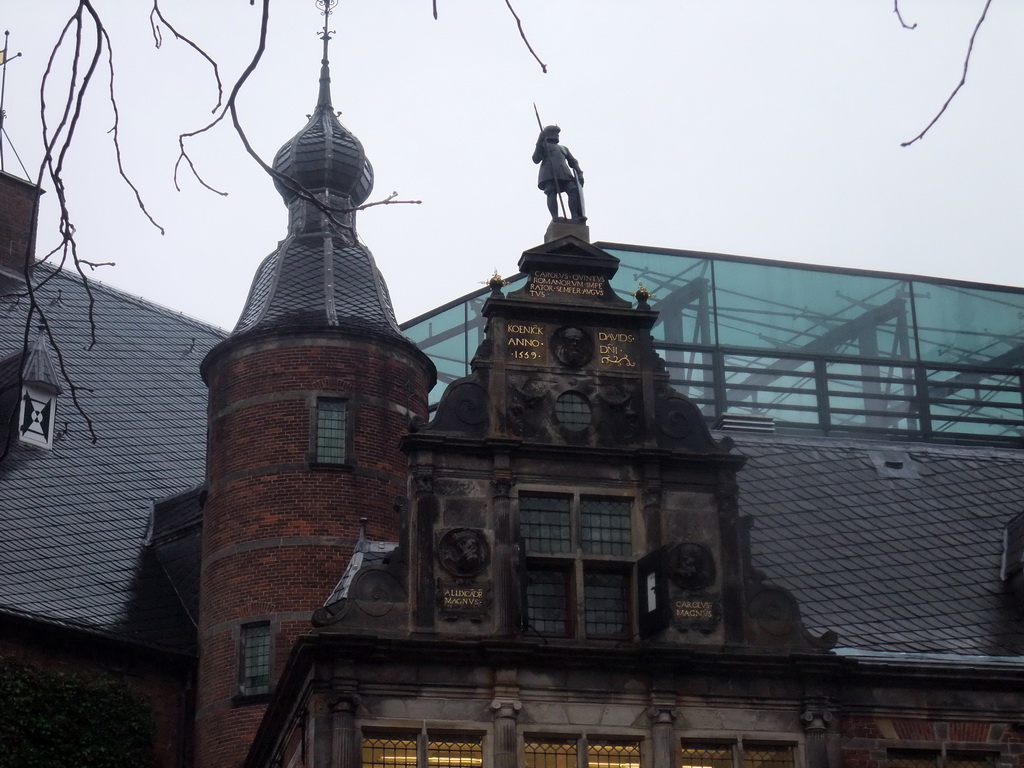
51	718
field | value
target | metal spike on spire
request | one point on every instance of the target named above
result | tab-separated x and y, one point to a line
326	7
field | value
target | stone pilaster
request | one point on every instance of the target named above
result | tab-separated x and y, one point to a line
663	737
347	752
815	719
506	739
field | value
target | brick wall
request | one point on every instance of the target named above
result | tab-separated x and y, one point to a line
278	531
17	226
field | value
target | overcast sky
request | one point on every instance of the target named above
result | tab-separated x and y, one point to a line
764	129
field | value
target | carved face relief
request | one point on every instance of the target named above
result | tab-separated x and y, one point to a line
573	347
464	552
693	567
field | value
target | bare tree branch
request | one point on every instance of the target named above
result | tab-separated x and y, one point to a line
522	34
231	108
157	15
963	77
57	141
896	10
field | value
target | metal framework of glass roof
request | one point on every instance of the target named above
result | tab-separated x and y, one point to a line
821	350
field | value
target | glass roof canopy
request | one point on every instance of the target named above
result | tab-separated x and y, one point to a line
821	350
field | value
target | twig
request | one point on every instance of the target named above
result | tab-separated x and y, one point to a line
963	78
896	10
115	137
157	14
522	34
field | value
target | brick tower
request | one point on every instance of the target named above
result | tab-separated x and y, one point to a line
308	399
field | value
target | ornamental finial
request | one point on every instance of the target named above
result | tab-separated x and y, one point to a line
326	7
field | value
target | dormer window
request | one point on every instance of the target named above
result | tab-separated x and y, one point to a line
37	414
37	407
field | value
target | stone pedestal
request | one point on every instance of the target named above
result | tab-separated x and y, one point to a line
561	227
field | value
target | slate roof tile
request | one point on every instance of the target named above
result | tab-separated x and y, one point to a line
894	564
73	520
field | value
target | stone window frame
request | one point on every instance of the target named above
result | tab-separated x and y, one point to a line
423	740
576	564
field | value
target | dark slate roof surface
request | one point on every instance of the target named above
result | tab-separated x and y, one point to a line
176	542
900	564
299	286
73	520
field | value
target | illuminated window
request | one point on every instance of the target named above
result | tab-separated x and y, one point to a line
613	754
254	666
751	755
547	753
577	546
396	751
454	753
389	753
550	754
707	757
331	431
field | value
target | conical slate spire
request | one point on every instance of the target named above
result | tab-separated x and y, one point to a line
321	275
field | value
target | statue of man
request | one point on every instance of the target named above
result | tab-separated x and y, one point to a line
559	172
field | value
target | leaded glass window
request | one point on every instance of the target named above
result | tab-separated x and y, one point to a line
605	526
605	603
579	568
331	431
572	411
389	752
694	755
400	751
970	760
550	754
544	523
912	759
255	659
767	756
547	598
454	753
706	757
613	754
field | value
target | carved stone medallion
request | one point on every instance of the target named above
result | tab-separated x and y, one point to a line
693	566
463	552
573	346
